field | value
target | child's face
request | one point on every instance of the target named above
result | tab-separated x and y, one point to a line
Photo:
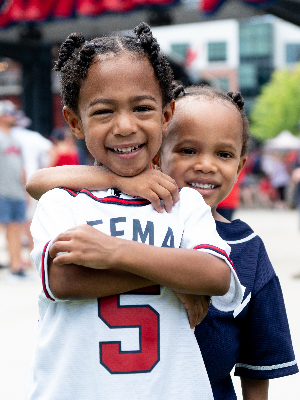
203	146
120	113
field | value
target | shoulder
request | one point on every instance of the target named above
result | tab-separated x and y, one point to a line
33	138
191	201
57	195
248	254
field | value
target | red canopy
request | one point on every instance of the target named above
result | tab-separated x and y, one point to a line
14	11
210	6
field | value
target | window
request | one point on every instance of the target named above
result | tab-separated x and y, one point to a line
292	52
221	84
180	50
217	51
256	40
247	76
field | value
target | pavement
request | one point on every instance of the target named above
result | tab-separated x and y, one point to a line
280	231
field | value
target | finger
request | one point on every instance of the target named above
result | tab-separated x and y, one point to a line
59	247
172	190
65	258
155	201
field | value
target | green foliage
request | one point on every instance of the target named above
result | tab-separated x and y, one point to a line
277	108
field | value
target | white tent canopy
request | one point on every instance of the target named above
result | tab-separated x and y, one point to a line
284	141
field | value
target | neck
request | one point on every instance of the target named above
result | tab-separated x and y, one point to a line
217	216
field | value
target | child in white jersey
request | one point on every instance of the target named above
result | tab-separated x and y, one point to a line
117	94
205	148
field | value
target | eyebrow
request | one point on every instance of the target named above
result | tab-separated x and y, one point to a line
191	142
110	101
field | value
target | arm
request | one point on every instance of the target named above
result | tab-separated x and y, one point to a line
203	273
152	185
90	283
255	389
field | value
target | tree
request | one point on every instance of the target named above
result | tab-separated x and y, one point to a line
277	108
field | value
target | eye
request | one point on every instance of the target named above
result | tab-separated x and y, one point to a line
224	154
143	108
187	151
102	112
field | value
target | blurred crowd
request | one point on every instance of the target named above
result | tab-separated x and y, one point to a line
270	179
24	151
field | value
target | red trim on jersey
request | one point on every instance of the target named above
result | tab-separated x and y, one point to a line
214	248
71	192
117	200
44	273
109	199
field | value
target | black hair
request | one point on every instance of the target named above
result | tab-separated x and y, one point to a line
76	55
212	93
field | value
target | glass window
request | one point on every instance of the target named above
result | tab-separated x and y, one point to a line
221	84
247	76
292	52
179	50
217	51
256	40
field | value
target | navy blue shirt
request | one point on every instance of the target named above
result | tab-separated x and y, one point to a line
255	338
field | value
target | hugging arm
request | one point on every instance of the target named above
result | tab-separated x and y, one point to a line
203	273
152	185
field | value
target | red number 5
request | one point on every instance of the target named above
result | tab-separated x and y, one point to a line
143	317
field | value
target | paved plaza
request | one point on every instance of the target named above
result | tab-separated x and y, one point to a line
280	232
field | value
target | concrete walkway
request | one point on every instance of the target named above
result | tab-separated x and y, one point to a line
19	313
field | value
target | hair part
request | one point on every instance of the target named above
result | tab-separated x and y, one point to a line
210	93
76	55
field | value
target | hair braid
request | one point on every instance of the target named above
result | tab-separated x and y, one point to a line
76	56
73	42
237	99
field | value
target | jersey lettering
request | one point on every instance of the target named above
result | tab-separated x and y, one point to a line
143	317
169	238
113	228
138	231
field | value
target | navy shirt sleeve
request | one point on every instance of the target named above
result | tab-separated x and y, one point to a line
255	337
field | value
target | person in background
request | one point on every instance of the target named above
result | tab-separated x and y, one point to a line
35	151
12	188
64	150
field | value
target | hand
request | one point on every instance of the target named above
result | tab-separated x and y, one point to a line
196	306
84	245
152	185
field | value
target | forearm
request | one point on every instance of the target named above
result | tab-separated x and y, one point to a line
71	281
71	176
182	270
255	389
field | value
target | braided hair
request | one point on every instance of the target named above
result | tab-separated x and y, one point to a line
210	93
76	55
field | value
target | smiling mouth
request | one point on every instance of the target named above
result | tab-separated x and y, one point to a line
125	150
202	185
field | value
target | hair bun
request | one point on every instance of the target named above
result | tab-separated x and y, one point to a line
73	41
177	89
237	98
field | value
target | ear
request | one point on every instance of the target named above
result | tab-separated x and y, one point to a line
74	122
156	162
168	112
241	166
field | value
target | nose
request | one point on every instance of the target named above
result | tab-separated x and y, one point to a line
124	124
205	163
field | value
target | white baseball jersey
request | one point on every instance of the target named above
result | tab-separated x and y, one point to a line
137	345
